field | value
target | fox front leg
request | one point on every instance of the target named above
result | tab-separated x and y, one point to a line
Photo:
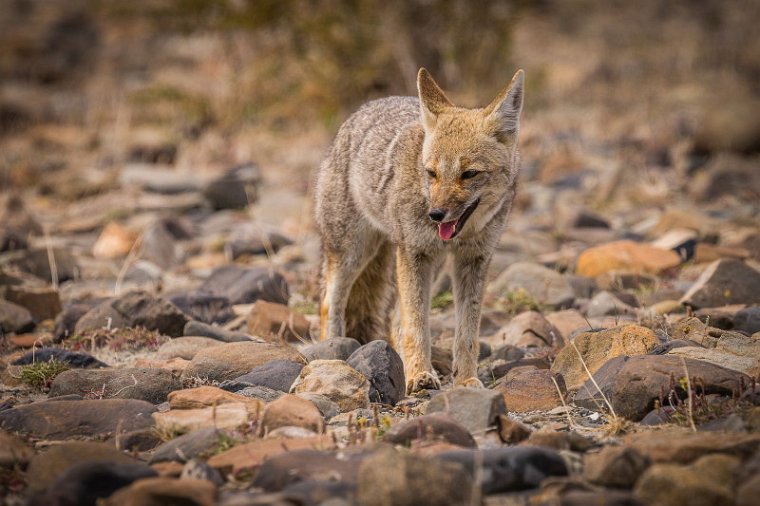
469	280
413	273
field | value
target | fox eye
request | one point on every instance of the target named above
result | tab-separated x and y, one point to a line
469	174
431	173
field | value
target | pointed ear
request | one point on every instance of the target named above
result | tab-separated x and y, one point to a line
502	116
432	99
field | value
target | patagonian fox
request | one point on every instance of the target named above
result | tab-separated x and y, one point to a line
406	182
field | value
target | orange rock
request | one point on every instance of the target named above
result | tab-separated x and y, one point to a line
29	340
114	241
291	411
269	319
251	455
625	256
175	365
224	416
207	396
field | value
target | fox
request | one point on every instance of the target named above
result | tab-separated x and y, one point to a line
407	182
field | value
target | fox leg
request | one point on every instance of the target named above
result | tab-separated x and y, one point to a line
468	283
413	272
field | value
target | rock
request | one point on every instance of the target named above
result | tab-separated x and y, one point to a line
190	445
14	318
209	396
244	286
87	482
441	359
142	440
531	390
748	492
264	394
36	261
224	416
545	286
43	303
747	320
152	385
72	358
632	384
156	491
277	375
605	303
476	409
683	241
291	411
13	451
299	465
204	308
231	360
135	309
384	369
560	441
163	179
253	454
337	381
158	246
528	329
47	467
745	364
185	347
596	348
334	348
399	478
325	406
709	481
605	497
435	425
493	372
683	447
58	420
726	175
273	321
512	431
114	241
196	328
615	467
568	322
199	470
726	281
235	189
255	240
625	256
508	469
67	320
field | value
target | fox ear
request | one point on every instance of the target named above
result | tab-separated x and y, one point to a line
432	99
502	116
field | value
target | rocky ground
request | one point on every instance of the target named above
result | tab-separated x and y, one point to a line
159	281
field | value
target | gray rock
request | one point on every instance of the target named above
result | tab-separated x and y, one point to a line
264	394
508	469
185	347
37	261
66	321
544	285
277	375
188	446
402	478
476	409
158	246
607	304
436	425
325	406
283	469
135	309
14	318
747	320
383	367
204	308
152	385
196	328
615	466
246	285
725	281
632	384
58	420
226	362
72	358
334	348
235	189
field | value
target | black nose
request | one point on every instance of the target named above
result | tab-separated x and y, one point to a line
437	214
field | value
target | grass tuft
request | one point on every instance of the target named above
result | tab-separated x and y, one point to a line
40	375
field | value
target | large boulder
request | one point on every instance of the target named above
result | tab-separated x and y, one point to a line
626	256
246	285
337	381
725	281
477	409
231	360
152	385
384	369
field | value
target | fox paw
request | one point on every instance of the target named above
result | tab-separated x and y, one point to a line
470	382
423	381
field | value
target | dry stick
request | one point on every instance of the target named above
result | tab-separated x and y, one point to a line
691	402
591	377
131	257
564	404
51	259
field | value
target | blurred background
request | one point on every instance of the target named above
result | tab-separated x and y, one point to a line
212	117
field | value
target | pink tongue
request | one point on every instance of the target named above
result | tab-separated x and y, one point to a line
446	230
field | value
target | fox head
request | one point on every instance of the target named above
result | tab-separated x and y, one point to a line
469	156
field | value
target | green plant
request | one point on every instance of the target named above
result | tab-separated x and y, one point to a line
41	374
442	300
518	301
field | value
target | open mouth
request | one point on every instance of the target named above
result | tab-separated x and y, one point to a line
449	229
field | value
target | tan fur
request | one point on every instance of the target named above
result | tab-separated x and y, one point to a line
392	162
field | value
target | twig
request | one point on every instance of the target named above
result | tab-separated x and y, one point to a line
51	259
591	377
131	257
564	404
691	402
